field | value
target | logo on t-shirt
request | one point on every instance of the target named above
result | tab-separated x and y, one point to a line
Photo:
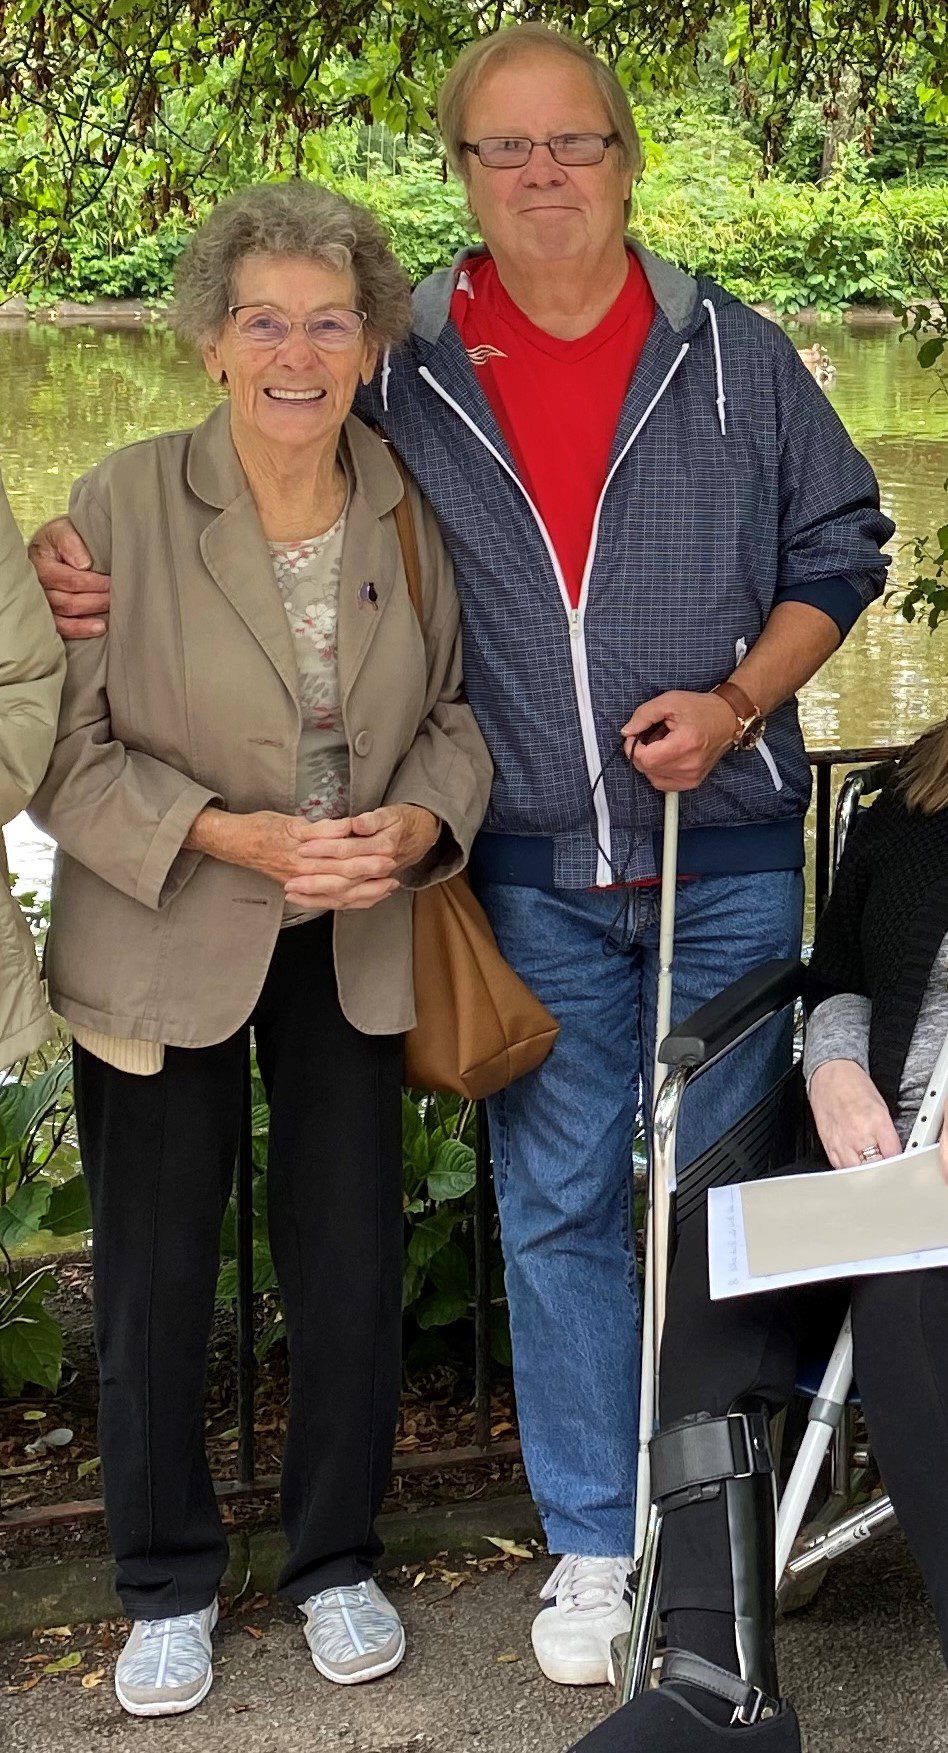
480	355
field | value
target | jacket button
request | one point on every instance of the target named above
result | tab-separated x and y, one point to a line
363	742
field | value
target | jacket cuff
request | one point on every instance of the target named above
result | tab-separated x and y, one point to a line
451	850
166	867
837	597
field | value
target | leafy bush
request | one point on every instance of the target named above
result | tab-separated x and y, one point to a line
41	1189
702	203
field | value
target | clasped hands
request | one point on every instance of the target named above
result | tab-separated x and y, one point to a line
343	865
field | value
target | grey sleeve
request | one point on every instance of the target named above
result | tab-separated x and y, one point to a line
837	1029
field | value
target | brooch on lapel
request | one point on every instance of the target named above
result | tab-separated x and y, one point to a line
368	594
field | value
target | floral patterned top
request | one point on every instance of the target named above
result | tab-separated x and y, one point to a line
307	575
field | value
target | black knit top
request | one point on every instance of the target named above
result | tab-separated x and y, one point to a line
882	927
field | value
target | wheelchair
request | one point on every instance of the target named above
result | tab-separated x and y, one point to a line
831	1501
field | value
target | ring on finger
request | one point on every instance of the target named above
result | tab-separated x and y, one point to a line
870	1154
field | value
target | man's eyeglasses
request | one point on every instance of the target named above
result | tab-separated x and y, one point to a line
512	152
263	326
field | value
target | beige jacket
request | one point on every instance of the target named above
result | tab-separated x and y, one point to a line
32	663
191	698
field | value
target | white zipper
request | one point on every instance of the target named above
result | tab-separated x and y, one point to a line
576	617
740	652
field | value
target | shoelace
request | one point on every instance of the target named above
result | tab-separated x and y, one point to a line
345	1595
160	1627
584	1585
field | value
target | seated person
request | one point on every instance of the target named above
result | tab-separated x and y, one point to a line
877	997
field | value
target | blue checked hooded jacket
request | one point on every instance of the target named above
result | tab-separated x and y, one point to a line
732	485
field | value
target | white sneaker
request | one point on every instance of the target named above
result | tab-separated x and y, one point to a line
588	1603
353	1633
165	1667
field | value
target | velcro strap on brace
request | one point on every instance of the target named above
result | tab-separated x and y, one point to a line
750	1704
699	1452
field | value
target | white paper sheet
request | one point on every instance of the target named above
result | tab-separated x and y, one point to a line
800	1195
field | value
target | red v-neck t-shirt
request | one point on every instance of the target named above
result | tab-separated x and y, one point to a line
556	402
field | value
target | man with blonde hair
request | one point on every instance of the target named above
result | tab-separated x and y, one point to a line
660	531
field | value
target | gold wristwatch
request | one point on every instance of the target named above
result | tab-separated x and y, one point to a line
751	722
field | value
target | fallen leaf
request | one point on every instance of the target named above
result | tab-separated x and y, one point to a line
253	1631
94	1679
419	1578
509	1547
33	1417
508	1656
26	1685
53	1631
65	1663
86	1467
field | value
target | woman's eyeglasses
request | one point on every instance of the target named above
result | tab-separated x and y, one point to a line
514	151
264	326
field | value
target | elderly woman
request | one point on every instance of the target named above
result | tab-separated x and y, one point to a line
254	768
877	993
31	679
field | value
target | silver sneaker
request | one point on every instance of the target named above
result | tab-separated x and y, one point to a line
165	1667
353	1633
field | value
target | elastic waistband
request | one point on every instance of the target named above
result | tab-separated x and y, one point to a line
527	860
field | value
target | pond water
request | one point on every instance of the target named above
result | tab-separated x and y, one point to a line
68	395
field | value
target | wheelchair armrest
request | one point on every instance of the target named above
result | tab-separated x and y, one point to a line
717	1025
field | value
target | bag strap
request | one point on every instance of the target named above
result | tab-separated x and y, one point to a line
408	540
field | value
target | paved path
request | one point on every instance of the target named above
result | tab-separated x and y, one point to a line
864	1658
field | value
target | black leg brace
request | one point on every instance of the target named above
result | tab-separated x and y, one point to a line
697	1460
700	1707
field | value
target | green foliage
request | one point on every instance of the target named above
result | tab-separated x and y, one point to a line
42	1189
703	202
925	324
141	113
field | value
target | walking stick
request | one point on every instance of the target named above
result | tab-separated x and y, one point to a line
661	1185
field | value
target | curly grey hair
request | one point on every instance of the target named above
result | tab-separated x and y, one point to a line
293	218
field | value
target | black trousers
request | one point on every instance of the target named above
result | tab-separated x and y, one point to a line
746	1349
159	1155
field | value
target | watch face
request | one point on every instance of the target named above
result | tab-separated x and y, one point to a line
752	732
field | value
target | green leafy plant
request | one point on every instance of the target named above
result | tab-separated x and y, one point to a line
41	1190
925	324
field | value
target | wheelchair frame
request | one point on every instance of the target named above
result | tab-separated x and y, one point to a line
702	1041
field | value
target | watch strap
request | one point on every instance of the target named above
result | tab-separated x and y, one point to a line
740	703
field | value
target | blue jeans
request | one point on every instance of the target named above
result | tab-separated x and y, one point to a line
562	1147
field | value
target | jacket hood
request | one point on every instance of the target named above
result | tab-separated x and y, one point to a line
678	295
685	302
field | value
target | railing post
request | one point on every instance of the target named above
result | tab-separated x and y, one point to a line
821	885
482	1191
245	1353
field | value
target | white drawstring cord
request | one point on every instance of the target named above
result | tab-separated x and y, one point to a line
386	374
718	368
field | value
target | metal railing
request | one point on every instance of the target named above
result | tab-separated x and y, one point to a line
483	1448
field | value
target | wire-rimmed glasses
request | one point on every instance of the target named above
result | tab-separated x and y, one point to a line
263	325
